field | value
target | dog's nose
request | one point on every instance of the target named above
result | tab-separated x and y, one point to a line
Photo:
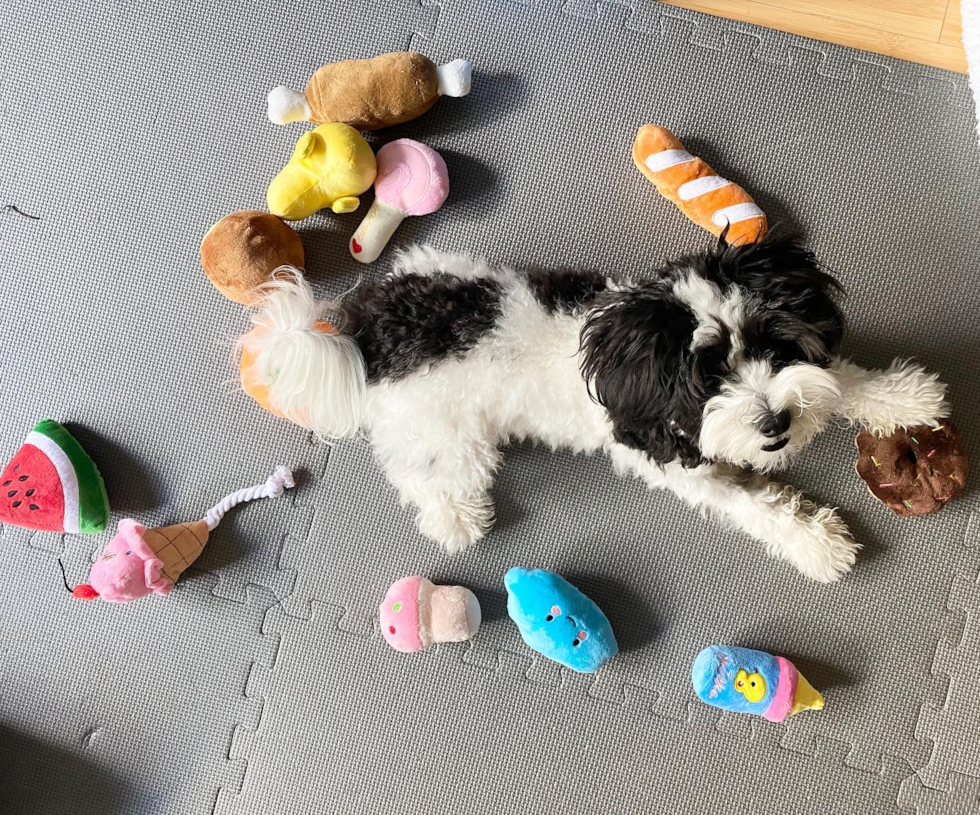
775	424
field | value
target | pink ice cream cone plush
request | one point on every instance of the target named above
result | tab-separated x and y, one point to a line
412	180
416	613
140	561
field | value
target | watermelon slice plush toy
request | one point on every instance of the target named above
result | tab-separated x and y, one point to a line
51	485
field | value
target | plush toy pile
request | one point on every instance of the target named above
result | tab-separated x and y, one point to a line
332	165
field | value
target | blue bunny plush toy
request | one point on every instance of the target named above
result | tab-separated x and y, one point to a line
558	621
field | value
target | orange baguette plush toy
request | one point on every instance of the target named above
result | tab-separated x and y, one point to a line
701	194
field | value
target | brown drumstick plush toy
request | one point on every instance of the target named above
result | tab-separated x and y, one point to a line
371	93
914	471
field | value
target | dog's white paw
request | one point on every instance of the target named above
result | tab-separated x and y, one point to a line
455	524
823	549
906	395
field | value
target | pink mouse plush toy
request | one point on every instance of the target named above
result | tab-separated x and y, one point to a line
140	561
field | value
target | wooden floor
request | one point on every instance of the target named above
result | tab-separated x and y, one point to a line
924	31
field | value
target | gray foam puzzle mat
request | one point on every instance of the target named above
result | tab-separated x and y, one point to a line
262	685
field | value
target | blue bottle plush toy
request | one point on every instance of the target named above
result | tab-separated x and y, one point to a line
741	680
558	621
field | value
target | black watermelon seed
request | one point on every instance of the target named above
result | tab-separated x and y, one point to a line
16	467
12	493
33	506
23	478
6	483
30	492
17	504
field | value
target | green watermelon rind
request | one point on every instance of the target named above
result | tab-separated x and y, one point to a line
93	501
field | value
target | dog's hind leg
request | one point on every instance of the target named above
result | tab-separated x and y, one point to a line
454	520
812	538
446	471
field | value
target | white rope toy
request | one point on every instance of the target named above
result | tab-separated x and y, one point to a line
274	486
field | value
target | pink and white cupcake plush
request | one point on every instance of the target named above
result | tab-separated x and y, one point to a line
416	613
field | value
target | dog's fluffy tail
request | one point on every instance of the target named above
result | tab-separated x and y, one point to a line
299	366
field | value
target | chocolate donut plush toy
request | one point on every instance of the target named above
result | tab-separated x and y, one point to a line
914	471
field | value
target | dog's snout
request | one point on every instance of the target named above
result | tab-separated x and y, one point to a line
775	423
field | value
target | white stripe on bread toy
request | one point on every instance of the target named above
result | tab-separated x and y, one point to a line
698	191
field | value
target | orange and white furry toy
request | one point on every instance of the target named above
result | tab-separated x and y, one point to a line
296	364
712	202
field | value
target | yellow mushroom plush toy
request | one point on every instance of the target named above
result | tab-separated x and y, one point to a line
331	165
709	200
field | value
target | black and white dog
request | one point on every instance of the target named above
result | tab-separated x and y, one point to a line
700	379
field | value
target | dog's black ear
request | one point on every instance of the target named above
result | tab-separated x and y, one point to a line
799	309
636	359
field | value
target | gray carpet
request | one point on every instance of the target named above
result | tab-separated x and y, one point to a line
261	685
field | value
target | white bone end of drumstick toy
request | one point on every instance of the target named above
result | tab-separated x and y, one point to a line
287	105
412	180
455	78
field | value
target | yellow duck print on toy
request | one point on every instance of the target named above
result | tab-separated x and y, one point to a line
331	165
751	685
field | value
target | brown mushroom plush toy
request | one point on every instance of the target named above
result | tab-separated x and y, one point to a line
241	251
368	94
914	471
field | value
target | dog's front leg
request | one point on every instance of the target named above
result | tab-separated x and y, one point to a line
904	395
812	538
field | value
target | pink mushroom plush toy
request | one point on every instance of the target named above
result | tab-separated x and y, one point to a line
416	613
412	180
